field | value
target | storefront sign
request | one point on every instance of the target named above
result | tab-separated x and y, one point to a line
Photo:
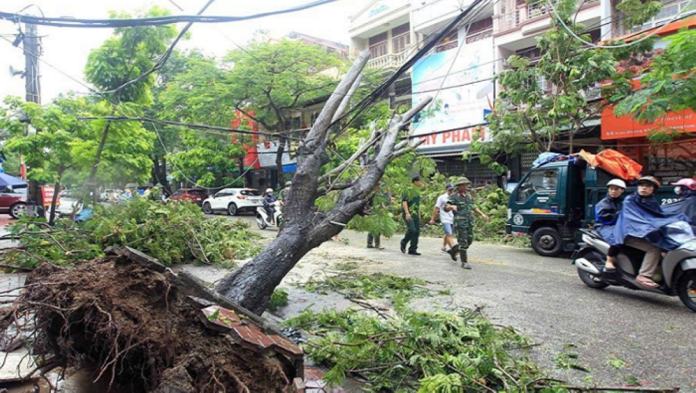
453	137
47	195
614	127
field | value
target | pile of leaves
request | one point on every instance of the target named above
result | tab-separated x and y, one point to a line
173	233
420	351
370	286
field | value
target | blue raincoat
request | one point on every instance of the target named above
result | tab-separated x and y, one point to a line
644	218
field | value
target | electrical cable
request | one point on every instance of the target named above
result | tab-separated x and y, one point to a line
151	21
625	45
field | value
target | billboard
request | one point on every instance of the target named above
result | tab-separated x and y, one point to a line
463	78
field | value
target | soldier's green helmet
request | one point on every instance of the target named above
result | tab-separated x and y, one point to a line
462	180
288	183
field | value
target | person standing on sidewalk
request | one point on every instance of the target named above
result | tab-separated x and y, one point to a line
374	240
447	220
462	204
411	208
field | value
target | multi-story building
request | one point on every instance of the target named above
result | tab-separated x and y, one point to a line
459	72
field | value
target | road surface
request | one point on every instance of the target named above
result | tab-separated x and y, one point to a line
618	334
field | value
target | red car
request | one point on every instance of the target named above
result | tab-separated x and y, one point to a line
13	202
193	195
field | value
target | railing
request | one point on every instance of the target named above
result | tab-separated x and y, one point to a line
519	14
392	60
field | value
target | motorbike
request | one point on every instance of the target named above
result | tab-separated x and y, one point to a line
264	221
676	274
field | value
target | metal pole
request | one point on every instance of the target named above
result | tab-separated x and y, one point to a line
32	85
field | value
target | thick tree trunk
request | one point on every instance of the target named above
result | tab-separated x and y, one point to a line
303	229
56	192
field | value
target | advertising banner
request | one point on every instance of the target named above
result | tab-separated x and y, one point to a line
47	195
464	99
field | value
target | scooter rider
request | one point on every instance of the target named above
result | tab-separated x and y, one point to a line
607	213
645	196
268	200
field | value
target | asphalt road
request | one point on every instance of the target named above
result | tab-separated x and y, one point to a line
646	337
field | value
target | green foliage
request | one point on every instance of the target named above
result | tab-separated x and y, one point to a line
637	12
616	362
279	299
529	118
272	78
64	147
127	54
670	84
423	351
173	233
370	286
568	359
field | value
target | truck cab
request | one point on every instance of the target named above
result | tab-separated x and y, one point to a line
548	205
553	201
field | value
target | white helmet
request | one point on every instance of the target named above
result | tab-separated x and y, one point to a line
618	183
269	190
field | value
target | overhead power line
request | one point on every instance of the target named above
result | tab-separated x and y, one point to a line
152	21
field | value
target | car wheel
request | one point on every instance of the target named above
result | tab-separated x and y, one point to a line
590	279
207	209
18	210
547	242
686	288
232	209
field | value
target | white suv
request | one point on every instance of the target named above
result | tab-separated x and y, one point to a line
233	201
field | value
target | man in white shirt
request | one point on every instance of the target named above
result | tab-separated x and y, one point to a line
447	220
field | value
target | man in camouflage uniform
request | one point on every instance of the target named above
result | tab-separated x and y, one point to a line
284	192
462	204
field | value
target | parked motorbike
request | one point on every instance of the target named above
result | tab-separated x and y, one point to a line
264	221
676	274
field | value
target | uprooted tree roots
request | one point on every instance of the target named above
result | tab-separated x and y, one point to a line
142	330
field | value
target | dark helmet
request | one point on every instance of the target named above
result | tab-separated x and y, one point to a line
650	179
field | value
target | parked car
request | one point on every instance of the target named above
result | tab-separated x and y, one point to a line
68	204
193	195
13	201
233	201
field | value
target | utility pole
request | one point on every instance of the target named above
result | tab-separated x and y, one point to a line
32	85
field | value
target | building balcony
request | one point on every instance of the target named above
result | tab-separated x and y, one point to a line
390	61
515	16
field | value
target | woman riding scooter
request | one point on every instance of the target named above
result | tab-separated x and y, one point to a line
607	213
641	225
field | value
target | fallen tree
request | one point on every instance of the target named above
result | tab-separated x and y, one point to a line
141	327
305	229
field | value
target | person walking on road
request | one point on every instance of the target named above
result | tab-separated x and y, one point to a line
411	208
462	204
447	220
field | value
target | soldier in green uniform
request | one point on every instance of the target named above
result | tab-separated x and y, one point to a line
411	215
462	204
284	192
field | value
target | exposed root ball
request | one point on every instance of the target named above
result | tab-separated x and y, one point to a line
141	330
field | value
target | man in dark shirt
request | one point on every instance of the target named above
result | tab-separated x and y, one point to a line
411	215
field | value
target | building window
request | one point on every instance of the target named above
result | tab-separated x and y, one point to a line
450	41
668	12
378	45
401	38
479	30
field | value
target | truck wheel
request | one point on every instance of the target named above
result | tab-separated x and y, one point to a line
547	242
590	279
686	288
